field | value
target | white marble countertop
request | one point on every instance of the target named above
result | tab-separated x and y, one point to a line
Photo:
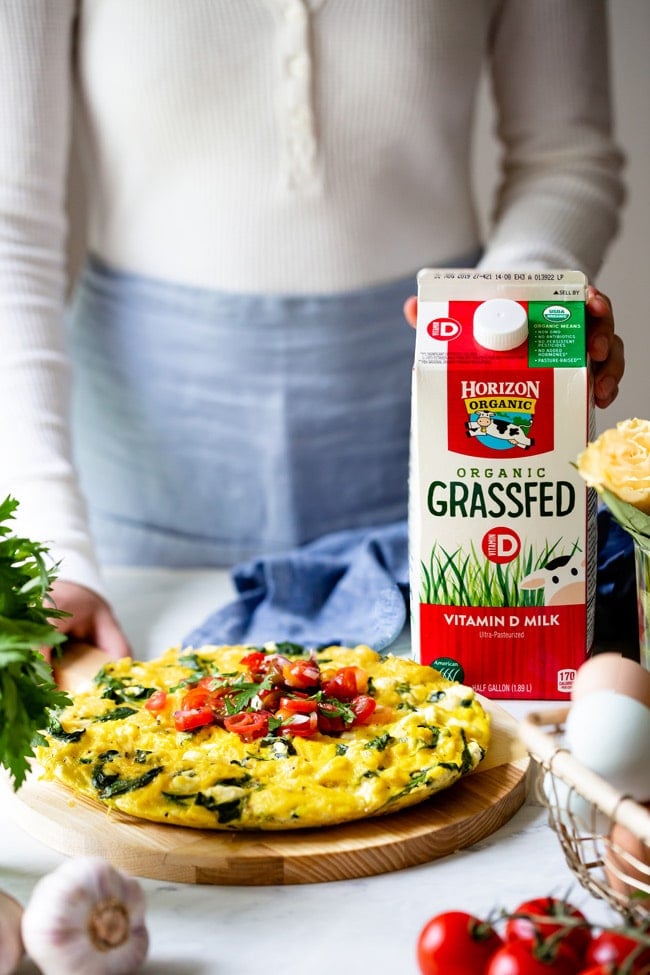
316	928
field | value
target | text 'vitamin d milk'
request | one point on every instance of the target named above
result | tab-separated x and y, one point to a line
502	531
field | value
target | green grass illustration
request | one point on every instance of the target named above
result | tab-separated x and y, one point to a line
462	578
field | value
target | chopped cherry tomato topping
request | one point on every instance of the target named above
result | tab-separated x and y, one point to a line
289	690
301	674
270	698
254	659
330	719
218	704
189	719
302	725
157	701
195	697
271	669
256	663
265	665
248	724
298	705
346	683
364	707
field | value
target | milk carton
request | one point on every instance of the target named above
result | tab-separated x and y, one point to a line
501	526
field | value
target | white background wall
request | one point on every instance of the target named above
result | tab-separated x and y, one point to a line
625	275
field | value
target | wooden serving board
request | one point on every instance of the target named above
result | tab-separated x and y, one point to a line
456	818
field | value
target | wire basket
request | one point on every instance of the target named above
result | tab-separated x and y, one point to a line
584	812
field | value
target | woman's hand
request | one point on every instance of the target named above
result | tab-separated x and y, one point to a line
411	310
605	348
92	620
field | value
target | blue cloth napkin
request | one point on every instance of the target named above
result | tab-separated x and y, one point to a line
352	587
347	588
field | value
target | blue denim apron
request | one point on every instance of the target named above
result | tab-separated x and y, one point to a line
210	427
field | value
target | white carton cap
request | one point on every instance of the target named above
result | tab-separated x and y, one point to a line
500	324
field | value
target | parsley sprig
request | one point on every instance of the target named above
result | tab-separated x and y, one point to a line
27	689
244	694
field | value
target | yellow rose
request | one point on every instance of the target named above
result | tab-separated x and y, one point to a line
619	460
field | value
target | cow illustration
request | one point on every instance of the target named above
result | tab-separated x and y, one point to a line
562	579
488	425
479	425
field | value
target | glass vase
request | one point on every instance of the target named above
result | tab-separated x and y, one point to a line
642	565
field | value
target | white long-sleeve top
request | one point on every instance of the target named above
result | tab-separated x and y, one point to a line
274	146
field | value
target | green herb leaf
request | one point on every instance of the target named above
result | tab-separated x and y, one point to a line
417	779
56	730
381	742
338	709
243	692
634	521
27	690
116	689
226	811
197	663
112	785
117	714
288	647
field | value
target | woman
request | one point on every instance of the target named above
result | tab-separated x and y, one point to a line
263	180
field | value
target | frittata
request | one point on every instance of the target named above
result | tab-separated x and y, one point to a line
272	738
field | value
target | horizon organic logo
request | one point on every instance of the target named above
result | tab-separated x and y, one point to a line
444	329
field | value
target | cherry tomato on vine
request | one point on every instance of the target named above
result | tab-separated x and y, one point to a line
613	948
529	958
456	943
542	917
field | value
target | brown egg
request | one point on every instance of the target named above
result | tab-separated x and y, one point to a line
617	863
612	671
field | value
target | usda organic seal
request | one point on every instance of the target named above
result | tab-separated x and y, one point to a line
556	313
449	668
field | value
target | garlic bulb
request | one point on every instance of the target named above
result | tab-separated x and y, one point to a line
11	942
86	918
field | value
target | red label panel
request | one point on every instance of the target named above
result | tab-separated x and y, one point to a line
508	652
